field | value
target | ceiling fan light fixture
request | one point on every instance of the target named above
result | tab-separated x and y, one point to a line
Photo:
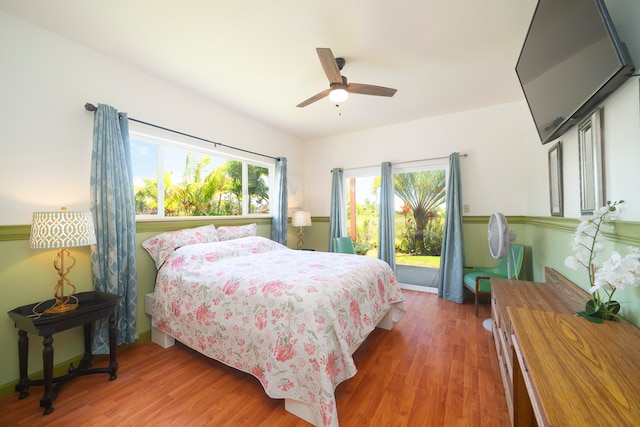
339	88
338	95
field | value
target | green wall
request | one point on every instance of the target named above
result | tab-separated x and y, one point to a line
27	275
550	243
547	242
476	246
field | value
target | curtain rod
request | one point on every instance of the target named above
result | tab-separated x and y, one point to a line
407	161
90	107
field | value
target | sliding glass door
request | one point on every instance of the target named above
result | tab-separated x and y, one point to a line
420	190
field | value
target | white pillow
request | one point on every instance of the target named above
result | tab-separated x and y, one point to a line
161	246
236	232
206	253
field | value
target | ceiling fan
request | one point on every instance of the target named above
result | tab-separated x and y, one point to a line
339	88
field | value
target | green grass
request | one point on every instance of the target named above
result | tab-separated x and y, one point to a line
413	260
418	261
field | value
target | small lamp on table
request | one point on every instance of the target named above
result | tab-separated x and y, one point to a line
301	219
62	230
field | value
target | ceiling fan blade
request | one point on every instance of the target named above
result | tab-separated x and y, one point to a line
329	64
314	98
363	89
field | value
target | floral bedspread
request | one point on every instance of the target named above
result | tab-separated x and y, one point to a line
291	318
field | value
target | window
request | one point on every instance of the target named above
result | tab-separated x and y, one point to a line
195	180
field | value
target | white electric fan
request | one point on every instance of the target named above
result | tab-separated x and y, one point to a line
500	238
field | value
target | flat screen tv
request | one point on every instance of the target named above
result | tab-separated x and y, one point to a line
571	60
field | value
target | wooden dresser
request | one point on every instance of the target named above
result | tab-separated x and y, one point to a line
559	369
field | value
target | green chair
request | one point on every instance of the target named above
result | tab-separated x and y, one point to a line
478	279
343	245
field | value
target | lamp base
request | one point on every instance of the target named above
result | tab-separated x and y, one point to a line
62	300
300	236
57	309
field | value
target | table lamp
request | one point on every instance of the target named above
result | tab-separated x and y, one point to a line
301	219
62	230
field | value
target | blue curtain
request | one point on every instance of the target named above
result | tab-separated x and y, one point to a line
113	258
337	213
452	258
386	226
280	203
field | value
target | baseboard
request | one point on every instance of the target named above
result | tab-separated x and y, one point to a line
418	288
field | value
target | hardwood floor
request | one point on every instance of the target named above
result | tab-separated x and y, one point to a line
437	367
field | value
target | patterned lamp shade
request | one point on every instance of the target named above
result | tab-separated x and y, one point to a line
54	230
301	219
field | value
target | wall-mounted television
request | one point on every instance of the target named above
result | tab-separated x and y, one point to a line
571	60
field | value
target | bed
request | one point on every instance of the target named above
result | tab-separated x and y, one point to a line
290	318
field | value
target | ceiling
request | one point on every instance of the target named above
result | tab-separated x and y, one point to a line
259	58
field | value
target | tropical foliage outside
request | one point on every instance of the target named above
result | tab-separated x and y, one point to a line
418	224
201	193
206	191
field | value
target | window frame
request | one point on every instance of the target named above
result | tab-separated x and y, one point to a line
208	149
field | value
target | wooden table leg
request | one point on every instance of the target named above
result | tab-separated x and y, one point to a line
85	363
113	364
47	366
23	358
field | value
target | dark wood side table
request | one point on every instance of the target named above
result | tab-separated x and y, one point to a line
92	306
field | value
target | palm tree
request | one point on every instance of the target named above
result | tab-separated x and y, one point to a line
146	197
423	192
192	196
199	196
216	186
217	193
257	189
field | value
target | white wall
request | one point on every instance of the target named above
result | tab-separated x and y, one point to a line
506	169
625	15
493	175
46	135
621	149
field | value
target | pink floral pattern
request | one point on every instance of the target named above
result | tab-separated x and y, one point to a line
237	232
290	318
161	246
